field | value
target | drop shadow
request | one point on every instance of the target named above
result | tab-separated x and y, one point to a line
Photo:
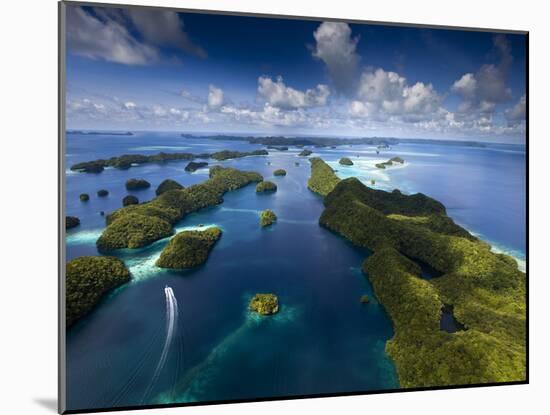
48	403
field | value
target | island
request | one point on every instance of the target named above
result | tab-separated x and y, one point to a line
84	197
194	166
267	217
167	185
264	304
486	290
305	152
130	200
71	222
189	248
266	187
139	225
278	148
102	192
279	172
345	161
322	179
364	299
88	279
390	162
227	154
137	184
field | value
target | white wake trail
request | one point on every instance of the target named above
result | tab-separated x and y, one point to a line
171	325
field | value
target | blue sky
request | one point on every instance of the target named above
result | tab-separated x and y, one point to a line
149	69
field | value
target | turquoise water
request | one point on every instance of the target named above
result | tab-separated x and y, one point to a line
323	340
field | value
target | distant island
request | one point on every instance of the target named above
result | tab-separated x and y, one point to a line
80	132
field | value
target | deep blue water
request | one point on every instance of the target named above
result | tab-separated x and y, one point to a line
323	340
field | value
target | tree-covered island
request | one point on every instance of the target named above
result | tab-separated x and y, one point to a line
189	248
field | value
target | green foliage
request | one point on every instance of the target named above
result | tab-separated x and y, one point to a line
322	179
267	217
345	161
172	205
189	248
102	192
130	200
390	162
133	231
84	197
166	185
88	279
194	166
279	172
486	290
266	186
264	304
227	154
137	184
71	222
305	152
364	299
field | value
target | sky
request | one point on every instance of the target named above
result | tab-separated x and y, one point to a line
155	69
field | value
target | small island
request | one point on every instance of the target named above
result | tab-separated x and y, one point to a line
266	187
264	304
130	200
364	299
279	172
102	192
305	152
345	161
84	197
88	278
137	184
167	185
189	248
267	217
278	148
71	222
390	162
322	179
195	165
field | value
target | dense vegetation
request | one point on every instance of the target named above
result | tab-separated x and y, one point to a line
88	279
267	217
278	148
264	304
390	162
166	185
102	192
279	172
137	184
129	200
84	197
322	179
305	152
364	299
345	161
128	160
486	290
171	206
266	186
189	248
194	165
71	222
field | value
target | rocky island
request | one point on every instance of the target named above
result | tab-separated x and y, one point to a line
267	217
167	185
266	187
194	166
88	278
102	193
137	184
84	197
189	248
279	172
138	225
486	290
390	162
345	161
130	200
71	222
305	153
264	304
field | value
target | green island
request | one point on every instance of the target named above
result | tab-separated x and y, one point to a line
279	172
266	187
102	193
88	278
390	162
322	179
189	248
137	184
364	299
71	222
195	165
166	185
130	200
153	220
84	197
346	161
267	217
305	153
485	290
264	304
128	160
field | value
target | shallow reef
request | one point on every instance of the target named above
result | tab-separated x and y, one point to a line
88	278
264	304
267	217
189	248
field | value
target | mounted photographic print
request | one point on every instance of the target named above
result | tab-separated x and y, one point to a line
260	207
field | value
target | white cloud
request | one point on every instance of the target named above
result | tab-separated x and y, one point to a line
336	48
518	112
129	105
215	97
277	94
